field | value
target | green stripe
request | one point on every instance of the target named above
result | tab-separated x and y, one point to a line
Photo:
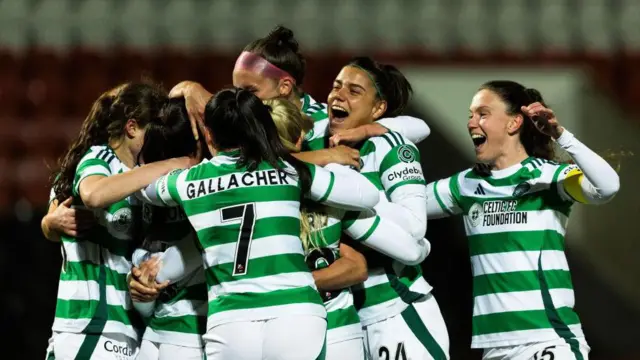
172	186
99	235
388	139
390	190
519	281
556	320
421	332
271	226
100	313
332	178
374	178
439	199
87	270
369	232
367	148
88	346
238	301
515	241
455	191
397	137
342	317
186	324
520	176
97	312
520	320
257	268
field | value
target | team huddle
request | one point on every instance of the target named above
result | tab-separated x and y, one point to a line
259	223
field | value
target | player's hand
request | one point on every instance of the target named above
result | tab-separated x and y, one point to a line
544	119
142	284
344	155
356	135
195	98
70	221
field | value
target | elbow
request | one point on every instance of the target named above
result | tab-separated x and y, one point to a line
93	200
419	229
421	253
360	271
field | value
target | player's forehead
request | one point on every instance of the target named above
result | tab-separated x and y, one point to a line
245	78
486	99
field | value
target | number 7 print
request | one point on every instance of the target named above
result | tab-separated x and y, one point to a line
246	212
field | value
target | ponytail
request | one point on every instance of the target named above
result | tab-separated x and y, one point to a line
237	119
94	131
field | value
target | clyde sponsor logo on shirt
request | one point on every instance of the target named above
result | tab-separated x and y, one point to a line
408	173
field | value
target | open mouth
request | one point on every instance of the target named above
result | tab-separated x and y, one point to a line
338	113
478	140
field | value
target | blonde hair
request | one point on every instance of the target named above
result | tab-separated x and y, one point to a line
291	123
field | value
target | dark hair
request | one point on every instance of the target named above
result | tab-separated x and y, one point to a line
391	85
280	48
170	135
237	119
106	121
515	95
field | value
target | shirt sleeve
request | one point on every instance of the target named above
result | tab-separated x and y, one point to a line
339	186
90	166
165	191
442	198
412	128
403	182
591	180
180	260
385	237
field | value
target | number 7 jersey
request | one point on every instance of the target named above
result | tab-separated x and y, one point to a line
248	225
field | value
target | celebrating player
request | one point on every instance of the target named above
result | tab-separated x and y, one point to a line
93	316
177	320
399	314
515	206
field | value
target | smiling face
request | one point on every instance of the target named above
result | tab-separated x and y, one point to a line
491	127
353	100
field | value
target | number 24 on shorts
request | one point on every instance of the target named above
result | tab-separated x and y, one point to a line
545	354
401	354
247	214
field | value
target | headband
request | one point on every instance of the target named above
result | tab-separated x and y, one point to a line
256	63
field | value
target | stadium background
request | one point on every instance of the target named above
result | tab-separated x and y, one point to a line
57	56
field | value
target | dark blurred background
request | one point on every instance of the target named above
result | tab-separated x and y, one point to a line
57	56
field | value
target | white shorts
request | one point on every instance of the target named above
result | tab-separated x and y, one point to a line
559	349
346	350
156	351
284	338
70	346
418	333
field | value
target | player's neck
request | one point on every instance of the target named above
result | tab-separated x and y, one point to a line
511	157
123	153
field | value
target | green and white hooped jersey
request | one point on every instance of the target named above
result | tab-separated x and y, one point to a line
343	322
93	297
392	164
316	138
180	316
516	220
248	225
